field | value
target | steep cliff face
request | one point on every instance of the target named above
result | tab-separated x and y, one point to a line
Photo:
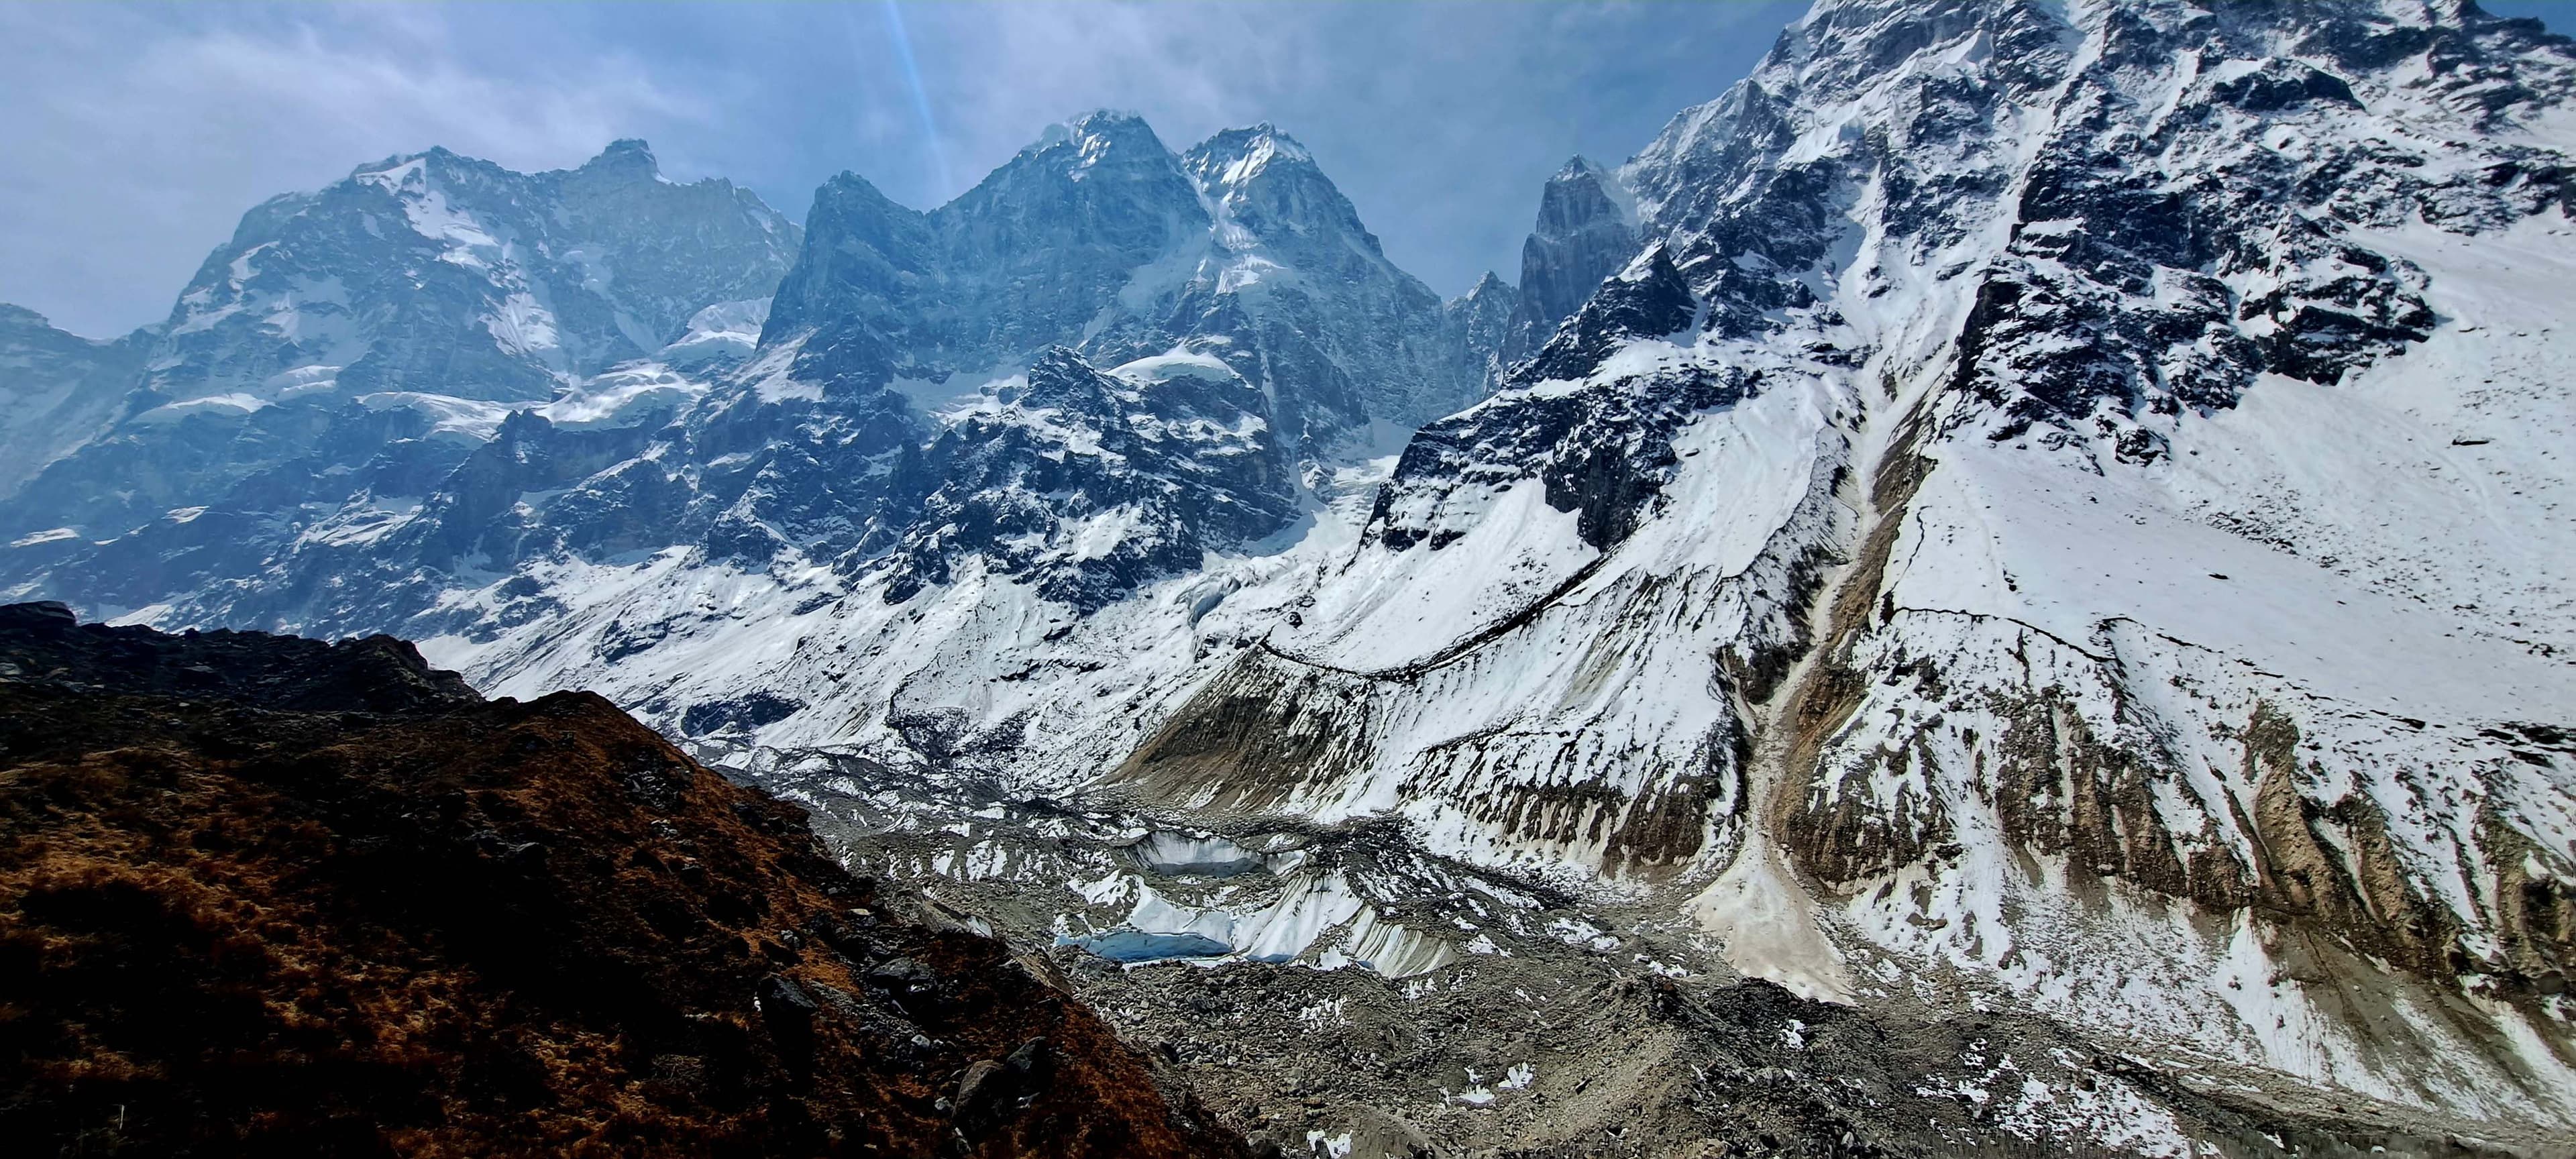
267	895
1482	324
1022	261
1586	231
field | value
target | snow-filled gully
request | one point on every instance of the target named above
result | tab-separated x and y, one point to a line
1761	910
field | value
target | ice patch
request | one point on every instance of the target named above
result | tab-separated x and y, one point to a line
1176	855
725	330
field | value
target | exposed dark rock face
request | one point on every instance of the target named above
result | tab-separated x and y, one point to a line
1648	299
1584	234
2191	259
1604	450
1481	323
1017	263
1088	485
43	643
269	896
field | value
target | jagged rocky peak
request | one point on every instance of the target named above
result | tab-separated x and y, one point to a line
439	274
1489	288
1098	237
351	344
864	258
629	158
896	382
1581	195
1481	325
1025	259
560	273
1102	178
1266	183
1117	136
1586	231
1231	157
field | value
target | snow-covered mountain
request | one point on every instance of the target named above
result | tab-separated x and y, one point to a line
338	362
1099	362
382	325
1099	239
2066	500
2045	508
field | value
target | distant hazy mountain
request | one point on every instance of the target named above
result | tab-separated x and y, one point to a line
57	389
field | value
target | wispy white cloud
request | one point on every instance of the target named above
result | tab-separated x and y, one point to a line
327	100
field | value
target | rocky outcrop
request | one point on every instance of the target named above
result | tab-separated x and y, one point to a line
268	895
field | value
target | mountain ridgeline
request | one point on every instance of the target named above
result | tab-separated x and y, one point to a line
350	401
2045	520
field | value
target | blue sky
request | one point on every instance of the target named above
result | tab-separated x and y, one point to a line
138	133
